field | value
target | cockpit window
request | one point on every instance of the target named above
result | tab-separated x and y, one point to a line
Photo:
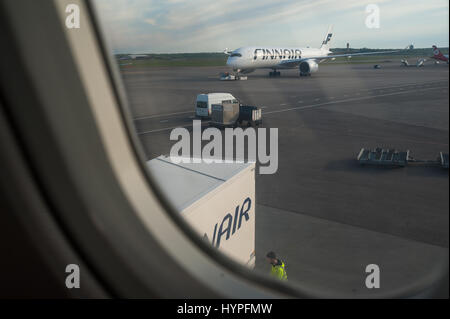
236	55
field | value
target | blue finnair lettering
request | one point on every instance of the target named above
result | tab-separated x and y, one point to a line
229	224
274	54
329	35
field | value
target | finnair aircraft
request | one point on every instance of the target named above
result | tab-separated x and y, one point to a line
247	59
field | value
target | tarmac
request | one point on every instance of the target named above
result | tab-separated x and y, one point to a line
324	214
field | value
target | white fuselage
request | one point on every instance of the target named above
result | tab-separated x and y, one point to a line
251	58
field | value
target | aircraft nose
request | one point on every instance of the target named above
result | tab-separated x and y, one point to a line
232	62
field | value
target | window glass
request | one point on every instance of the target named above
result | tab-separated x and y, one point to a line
336	173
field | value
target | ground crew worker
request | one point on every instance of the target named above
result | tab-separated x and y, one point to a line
278	268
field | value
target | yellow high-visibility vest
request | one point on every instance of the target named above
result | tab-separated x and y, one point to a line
278	271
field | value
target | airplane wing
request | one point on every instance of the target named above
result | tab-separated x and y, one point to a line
295	62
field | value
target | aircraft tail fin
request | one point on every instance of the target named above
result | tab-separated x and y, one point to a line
437	53
326	41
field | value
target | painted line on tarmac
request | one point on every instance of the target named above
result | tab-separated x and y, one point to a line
168	128
406	84
288	109
348	100
159	115
345	95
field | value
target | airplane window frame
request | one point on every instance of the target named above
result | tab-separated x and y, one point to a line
226	278
293	290
55	88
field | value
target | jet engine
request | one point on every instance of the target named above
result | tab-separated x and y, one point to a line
307	67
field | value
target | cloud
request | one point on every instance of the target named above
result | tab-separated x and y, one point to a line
150	21
202	25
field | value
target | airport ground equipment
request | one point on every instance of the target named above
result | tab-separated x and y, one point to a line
419	63
225	114
383	157
395	158
234	113
204	102
216	199
226	76
250	115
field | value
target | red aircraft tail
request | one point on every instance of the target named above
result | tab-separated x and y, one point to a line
437	54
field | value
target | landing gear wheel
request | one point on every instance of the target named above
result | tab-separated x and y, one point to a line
274	74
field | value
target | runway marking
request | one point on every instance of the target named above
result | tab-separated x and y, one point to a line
348	100
345	95
421	88
159	115
168	128
404	85
163	121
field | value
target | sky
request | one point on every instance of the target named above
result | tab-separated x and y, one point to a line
176	26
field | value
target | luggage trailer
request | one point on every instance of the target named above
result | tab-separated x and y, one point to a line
234	113
396	158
